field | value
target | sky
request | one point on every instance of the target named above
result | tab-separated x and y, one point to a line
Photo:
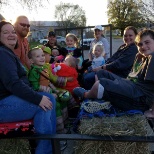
95	11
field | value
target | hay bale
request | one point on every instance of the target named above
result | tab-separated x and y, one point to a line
14	146
135	125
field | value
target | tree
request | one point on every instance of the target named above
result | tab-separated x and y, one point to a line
147	10
70	15
30	4
123	13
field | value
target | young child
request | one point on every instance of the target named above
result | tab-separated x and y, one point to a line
47	52
71	49
55	55
68	69
98	59
41	79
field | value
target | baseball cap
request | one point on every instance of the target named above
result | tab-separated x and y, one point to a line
99	27
45	49
51	33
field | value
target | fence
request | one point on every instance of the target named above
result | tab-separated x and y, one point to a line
86	33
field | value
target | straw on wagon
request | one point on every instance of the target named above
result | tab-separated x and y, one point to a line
135	125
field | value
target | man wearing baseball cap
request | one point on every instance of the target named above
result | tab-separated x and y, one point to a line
52	40
100	39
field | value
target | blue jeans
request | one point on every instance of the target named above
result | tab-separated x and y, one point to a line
88	80
14	109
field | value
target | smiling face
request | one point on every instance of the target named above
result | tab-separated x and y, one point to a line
22	26
129	36
70	42
8	36
146	45
97	33
97	51
38	57
52	40
55	52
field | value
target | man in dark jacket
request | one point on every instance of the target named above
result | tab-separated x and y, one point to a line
52	43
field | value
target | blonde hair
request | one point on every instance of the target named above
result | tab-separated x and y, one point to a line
30	53
73	36
72	61
99	46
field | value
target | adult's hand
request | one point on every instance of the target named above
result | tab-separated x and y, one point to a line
45	103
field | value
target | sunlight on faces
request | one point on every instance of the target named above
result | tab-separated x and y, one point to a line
8	36
146	45
98	51
97	33
38	57
70	42
129	36
22	26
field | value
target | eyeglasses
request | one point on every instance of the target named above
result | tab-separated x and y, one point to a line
24	25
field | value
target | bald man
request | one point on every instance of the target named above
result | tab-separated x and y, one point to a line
22	28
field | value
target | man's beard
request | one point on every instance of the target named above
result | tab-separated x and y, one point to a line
24	33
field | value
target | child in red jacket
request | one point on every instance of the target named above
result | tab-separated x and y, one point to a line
68	69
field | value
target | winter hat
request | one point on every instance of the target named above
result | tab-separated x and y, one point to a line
45	49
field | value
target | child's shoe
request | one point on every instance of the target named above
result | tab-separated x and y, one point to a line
79	92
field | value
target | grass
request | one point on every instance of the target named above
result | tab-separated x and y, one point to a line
117	36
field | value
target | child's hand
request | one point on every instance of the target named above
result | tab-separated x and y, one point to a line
45	103
44	89
56	59
70	79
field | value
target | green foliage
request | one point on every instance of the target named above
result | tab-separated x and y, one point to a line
123	13
29	4
34	44
70	15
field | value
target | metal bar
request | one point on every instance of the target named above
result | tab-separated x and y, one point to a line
110	40
88	137
56	146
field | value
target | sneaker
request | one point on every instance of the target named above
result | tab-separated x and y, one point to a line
63	145
93	106
79	92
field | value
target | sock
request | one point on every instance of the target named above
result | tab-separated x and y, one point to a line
100	91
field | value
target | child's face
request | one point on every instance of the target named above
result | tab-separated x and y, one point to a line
47	57
97	52
55	52
38	58
146	45
70	42
66	61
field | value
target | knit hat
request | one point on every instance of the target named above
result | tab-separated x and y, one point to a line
45	49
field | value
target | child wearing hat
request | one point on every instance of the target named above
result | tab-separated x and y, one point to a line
42	79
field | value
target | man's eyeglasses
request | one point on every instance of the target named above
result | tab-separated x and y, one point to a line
24	25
